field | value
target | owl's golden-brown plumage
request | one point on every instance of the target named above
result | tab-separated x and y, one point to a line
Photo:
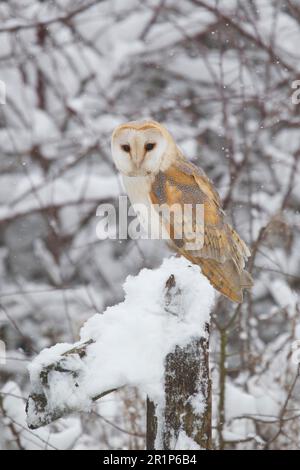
164	176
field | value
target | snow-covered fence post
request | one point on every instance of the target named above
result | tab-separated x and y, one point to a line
156	340
184	420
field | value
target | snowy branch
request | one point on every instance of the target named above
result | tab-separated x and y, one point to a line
64	19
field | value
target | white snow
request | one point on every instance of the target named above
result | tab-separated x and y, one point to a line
131	339
13	405
284	295
184	442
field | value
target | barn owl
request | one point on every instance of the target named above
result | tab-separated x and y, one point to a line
155	172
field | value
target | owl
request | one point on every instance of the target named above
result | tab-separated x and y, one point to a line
155	172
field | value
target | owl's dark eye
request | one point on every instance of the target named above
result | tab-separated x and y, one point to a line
126	148
149	147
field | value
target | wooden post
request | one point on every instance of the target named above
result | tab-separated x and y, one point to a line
186	413
151	426
180	417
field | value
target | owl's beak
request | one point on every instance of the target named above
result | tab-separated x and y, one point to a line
136	154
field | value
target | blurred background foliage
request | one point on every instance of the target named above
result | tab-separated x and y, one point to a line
219	75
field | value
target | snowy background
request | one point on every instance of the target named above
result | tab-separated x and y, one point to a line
219	75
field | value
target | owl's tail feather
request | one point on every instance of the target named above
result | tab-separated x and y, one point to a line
225	277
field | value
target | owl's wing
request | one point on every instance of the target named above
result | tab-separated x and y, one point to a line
223	253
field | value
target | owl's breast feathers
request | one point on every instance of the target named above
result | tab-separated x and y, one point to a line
223	254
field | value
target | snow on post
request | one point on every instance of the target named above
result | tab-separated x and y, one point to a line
156	340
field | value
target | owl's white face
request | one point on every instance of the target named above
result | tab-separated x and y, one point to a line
138	152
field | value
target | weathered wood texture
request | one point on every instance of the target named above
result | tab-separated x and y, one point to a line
187	400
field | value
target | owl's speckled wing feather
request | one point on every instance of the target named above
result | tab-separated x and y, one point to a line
223	253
